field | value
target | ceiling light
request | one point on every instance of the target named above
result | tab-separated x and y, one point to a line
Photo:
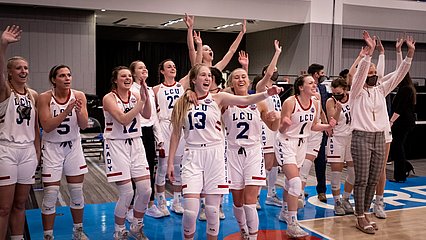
228	25
170	22
103	10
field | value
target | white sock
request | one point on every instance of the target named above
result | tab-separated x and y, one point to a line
17	237
119	228
305	169
336	198
272	179
379	198
293	216
285	206
48	232
346	195
161	198
77	225
177	196
240	216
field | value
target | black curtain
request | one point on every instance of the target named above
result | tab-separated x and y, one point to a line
113	53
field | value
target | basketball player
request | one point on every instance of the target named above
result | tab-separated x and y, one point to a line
124	151
166	95
19	138
243	126
63	113
203	165
298	119
339	146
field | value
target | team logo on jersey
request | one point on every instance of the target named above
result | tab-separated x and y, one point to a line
312	110
253	107
133	100
178	85
208	101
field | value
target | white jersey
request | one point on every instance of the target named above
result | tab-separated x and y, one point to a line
243	126
301	120
147	122
343	126
202	123
166	99
68	130
114	129
274	103
17	119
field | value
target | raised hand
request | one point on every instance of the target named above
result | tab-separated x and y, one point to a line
409	40
364	51
272	115
398	44
143	91
243	58
189	20
370	41
197	38
78	105
379	46
71	105
11	34
277	46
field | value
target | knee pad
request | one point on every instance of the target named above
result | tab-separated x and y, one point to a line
350	178
191	206
178	178
50	195
212	216
160	176
335	180
125	195
304	170
286	184
252	218
295	186
76	195
143	193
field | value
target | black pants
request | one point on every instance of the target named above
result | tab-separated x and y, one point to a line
320	166
397	151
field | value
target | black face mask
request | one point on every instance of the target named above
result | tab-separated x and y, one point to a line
371	80
274	76
339	97
322	79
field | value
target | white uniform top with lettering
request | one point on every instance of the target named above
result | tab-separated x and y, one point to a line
268	139
68	130
243	126
343	126
203	123
114	129
166	99
17	119
301	120
147	122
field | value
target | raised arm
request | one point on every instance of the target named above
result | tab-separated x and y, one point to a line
354	66
334	108
110	105
398	45
266	80
394	78
364	65
10	35
189	21
381	61
145	111
228	56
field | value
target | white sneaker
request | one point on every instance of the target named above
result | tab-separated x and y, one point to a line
129	215
163	208
274	201
379	209
154	212
202	215
221	213
338	208
177	207
136	232
48	237
284	217
121	235
78	234
295	231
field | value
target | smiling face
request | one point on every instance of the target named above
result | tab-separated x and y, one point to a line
309	86
207	54
239	82
202	81
140	71
62	78
124	79
17	70
169	70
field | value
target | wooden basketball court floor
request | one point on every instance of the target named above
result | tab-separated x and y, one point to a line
405	205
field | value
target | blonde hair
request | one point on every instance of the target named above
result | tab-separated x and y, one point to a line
231	76
10	63
182	104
